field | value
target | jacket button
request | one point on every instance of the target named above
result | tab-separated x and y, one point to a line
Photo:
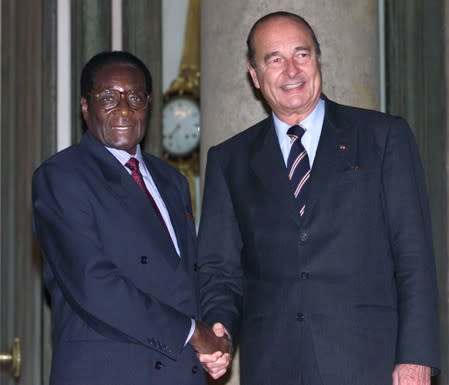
300	317
195	267
143	259
194	369
305	275
303	237
158	365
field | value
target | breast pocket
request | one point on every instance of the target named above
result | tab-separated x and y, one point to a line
356	175
352	198
359	186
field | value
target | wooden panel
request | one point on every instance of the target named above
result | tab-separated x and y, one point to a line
91	34
21	130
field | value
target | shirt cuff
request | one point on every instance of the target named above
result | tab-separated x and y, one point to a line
192	329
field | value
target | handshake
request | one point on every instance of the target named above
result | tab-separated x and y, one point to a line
214	348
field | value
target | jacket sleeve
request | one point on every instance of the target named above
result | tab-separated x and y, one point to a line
408	220
220	247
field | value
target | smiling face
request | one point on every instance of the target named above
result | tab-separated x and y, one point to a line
121	127
287	69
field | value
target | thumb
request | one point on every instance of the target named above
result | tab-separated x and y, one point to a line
219	329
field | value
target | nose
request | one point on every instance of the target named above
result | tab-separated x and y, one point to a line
123	105
292	67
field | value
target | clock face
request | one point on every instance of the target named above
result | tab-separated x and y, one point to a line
180	126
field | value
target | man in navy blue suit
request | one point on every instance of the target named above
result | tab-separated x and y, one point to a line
330	281
116	229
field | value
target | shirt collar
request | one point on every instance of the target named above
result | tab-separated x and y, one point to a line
312	123
123	156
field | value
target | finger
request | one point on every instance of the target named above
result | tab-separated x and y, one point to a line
218	329
206	358
219	364
217	375
225	358
395	378
214	369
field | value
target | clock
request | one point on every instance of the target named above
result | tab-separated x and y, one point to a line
180	126
181	110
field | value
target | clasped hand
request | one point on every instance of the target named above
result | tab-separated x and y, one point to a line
214	348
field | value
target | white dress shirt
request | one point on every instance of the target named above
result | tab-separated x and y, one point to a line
312	125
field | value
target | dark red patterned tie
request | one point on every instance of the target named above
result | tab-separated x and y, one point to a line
298	167
133	165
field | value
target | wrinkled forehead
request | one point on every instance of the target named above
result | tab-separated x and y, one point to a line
119	73
280	23
281	31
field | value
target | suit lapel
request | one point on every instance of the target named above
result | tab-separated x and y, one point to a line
130	195
336	152
175	208
268	165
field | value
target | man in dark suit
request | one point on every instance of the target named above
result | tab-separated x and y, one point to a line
118	237
315	246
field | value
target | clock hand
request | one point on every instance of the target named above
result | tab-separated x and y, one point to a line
175	130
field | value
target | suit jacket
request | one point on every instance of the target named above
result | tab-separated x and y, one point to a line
353	280
122	299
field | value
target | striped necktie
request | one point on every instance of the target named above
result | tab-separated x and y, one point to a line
298	167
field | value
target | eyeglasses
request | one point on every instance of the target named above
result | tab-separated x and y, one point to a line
110	99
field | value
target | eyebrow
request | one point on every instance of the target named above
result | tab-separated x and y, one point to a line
121	89
302	48
270	55
276	53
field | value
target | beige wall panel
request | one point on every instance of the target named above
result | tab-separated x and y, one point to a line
347	31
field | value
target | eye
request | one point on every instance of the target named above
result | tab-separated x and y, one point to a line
106	97
303	55
274	61
136	98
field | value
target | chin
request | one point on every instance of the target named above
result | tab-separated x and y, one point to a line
123	146
124	142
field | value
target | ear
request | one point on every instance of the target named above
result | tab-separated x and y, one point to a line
252	71
84	108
